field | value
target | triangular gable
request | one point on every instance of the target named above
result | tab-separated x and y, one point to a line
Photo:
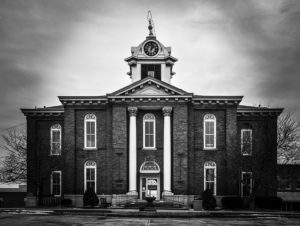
149	87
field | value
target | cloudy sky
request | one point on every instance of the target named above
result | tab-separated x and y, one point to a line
73	47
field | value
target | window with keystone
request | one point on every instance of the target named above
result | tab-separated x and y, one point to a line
149	131
90	175
55	140
210	176
209	138
56	183
90	138
246	141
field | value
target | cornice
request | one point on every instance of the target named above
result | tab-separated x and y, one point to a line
148	98
83	100
41	112
217	100
259	112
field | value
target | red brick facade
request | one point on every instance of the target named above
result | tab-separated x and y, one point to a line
188	155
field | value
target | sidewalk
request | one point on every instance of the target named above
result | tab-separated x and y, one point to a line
159	213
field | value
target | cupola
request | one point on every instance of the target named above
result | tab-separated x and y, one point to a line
151	58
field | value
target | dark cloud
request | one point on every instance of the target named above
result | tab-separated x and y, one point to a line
37	37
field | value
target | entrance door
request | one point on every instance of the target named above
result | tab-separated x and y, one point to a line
150	187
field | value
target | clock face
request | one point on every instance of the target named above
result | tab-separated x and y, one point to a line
151	48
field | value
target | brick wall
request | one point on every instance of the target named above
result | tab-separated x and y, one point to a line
120	147
40	163
180	149
225	129
263	161
188	155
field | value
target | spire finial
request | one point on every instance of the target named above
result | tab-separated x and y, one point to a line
151	24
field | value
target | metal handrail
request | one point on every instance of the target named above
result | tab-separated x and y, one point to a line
172	200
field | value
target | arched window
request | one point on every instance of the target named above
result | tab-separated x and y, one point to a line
149	131
90	138
90	175
210	176
209	137
149	167
55	140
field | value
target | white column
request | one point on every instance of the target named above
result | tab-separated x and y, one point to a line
167	150
132	151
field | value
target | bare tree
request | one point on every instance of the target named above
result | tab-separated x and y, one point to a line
288	138
13	163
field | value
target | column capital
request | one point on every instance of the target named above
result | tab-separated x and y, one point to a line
167	110
132	111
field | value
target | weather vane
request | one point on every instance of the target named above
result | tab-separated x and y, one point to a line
151	23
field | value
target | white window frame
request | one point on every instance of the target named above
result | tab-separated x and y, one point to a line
51	188
243	173
210	118
149	117
90	165
90	118
242	143
55	127
211	165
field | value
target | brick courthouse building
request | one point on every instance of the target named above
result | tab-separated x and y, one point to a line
151	138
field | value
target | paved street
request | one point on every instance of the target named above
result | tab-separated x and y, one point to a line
66	220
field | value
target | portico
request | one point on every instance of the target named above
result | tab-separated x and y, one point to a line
166	173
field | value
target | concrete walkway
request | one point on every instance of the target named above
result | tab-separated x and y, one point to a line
159	213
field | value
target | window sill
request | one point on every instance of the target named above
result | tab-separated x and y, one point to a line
87	149
55	155
246	155
210	149
147	149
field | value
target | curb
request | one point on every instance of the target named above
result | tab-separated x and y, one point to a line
154	214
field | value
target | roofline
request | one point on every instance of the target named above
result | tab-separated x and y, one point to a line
236	98
148	79
149	96
260	112
279	110
81	97
41	112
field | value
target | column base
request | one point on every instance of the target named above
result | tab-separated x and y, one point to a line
135	193
166	193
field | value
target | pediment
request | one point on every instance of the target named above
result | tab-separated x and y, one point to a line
149	87
149	90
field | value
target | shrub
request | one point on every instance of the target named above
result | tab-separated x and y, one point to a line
209	201
66	202
90	198
232	202
268	202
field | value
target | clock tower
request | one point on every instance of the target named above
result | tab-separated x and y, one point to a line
151	58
